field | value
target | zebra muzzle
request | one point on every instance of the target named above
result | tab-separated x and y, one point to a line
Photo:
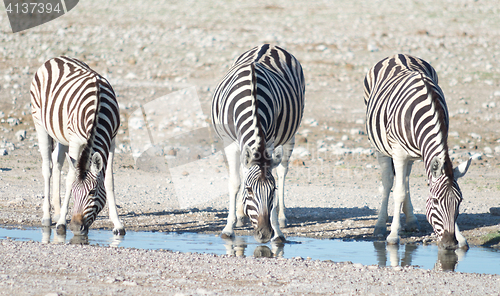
263	232
77	225
448	241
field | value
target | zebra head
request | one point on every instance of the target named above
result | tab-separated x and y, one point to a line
259	191
444	200
89	194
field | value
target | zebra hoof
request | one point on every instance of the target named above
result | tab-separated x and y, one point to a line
379	231
392	240
47	222
241	221
283	223
412	227
279	240
61	229
119	231
226	235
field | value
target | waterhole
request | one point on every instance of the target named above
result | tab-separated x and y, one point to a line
475	260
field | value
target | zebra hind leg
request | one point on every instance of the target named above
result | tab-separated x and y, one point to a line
281	172
387	172
233	158
58	155
45	144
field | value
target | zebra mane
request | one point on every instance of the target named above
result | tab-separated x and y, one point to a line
85	157
261	156
441	116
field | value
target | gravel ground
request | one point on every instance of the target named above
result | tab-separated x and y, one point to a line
150	49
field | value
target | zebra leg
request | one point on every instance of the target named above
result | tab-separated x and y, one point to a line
462	241
58	155
411	219
241	219
109	184
45	145
400	166
281	172
233	158
74	151
387	167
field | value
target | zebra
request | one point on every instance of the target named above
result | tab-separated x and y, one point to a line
407	119
76	107
257	109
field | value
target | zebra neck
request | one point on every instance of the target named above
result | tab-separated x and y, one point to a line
445	166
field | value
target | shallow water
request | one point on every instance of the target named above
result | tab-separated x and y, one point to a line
478	260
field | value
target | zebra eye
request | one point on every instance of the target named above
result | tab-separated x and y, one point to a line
92	192
249	190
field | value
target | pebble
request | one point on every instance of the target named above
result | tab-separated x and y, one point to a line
13	121
3	152
20	135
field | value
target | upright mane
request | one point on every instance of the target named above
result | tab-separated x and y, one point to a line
84	159
261	156
439	106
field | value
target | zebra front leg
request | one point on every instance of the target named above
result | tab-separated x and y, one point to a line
45	145
411	219
400	165
70	179
233	158
462	241
278	237
241	219
59	154
387	172
281	172
109	184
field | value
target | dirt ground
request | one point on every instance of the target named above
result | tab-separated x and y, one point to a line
151	50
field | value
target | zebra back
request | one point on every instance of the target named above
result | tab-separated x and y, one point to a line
278	103
406	106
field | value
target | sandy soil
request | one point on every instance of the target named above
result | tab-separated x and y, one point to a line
151	50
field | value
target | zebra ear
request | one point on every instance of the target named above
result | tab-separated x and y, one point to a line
246	157
71	162
96	164
277	157
461	169
436	167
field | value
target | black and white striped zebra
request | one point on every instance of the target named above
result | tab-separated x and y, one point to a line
407	119
76	107
257	109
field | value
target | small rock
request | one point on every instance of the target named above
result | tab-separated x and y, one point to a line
129	283
475	136
477	156
3	152
185	173
13	121
21	135
495	211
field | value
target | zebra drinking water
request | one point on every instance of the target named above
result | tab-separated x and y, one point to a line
256	110
76	107
407	119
